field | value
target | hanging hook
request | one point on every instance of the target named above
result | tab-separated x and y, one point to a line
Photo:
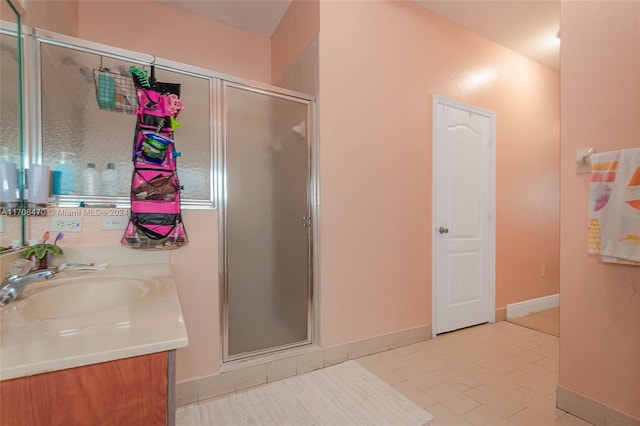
586	155
152	76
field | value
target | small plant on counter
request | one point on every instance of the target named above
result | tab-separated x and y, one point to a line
41	254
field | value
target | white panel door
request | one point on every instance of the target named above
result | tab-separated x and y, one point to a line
463	207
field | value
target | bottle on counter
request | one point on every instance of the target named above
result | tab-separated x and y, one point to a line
8	180
91	180
64	175
110	181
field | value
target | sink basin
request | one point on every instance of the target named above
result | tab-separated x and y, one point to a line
74	297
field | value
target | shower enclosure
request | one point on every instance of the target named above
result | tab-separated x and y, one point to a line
267	221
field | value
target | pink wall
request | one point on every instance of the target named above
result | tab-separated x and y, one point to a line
195	269
6	13
298	27
380	64
218	47
61	16
150	27
375	124
600	303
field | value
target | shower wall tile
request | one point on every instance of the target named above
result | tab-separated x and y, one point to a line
243	378
220	384
251	376
309	362
302	75
335	355
282	368
359	348
187	392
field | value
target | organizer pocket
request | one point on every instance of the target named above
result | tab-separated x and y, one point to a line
160	207
154	148
154	185
151	102
157	124
155	231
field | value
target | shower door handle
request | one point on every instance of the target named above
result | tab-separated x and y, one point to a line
306	221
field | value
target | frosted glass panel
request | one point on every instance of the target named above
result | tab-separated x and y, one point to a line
267	244
193	138
73	122
9	135
9	95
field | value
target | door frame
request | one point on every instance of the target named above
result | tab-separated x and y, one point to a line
220	112
441	100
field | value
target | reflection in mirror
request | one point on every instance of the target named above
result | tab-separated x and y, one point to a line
75	131
72	122
10	162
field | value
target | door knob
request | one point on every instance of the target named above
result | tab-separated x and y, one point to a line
443	230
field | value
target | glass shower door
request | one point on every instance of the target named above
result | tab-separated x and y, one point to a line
266	222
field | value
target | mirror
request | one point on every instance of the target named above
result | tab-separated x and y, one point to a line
76	131
12	224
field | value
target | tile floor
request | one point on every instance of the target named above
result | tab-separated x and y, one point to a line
489	375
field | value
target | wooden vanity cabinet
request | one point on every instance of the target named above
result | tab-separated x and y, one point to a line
129	391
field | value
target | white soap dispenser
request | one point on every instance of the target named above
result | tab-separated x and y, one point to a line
8	180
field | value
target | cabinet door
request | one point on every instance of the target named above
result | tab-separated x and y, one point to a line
130	391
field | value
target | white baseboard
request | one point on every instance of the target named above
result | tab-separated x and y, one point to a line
595	412
519	309
290	363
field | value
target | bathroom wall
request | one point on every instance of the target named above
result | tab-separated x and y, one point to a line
60	16
151	27
228	50
297	29
195	268
380	64
294	48
202	42
375	122
600	303
6	12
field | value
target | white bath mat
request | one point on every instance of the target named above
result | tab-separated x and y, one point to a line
341	395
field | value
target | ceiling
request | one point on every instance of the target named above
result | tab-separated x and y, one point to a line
258	16
528	27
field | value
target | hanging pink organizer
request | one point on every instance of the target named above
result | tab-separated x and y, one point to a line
156	219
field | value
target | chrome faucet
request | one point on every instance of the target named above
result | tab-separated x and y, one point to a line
14	284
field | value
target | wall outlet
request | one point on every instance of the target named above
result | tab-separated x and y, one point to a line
114	222
543	270
66	224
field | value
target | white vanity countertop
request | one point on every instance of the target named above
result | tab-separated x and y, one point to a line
151	323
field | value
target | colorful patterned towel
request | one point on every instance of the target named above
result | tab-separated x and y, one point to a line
614	206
